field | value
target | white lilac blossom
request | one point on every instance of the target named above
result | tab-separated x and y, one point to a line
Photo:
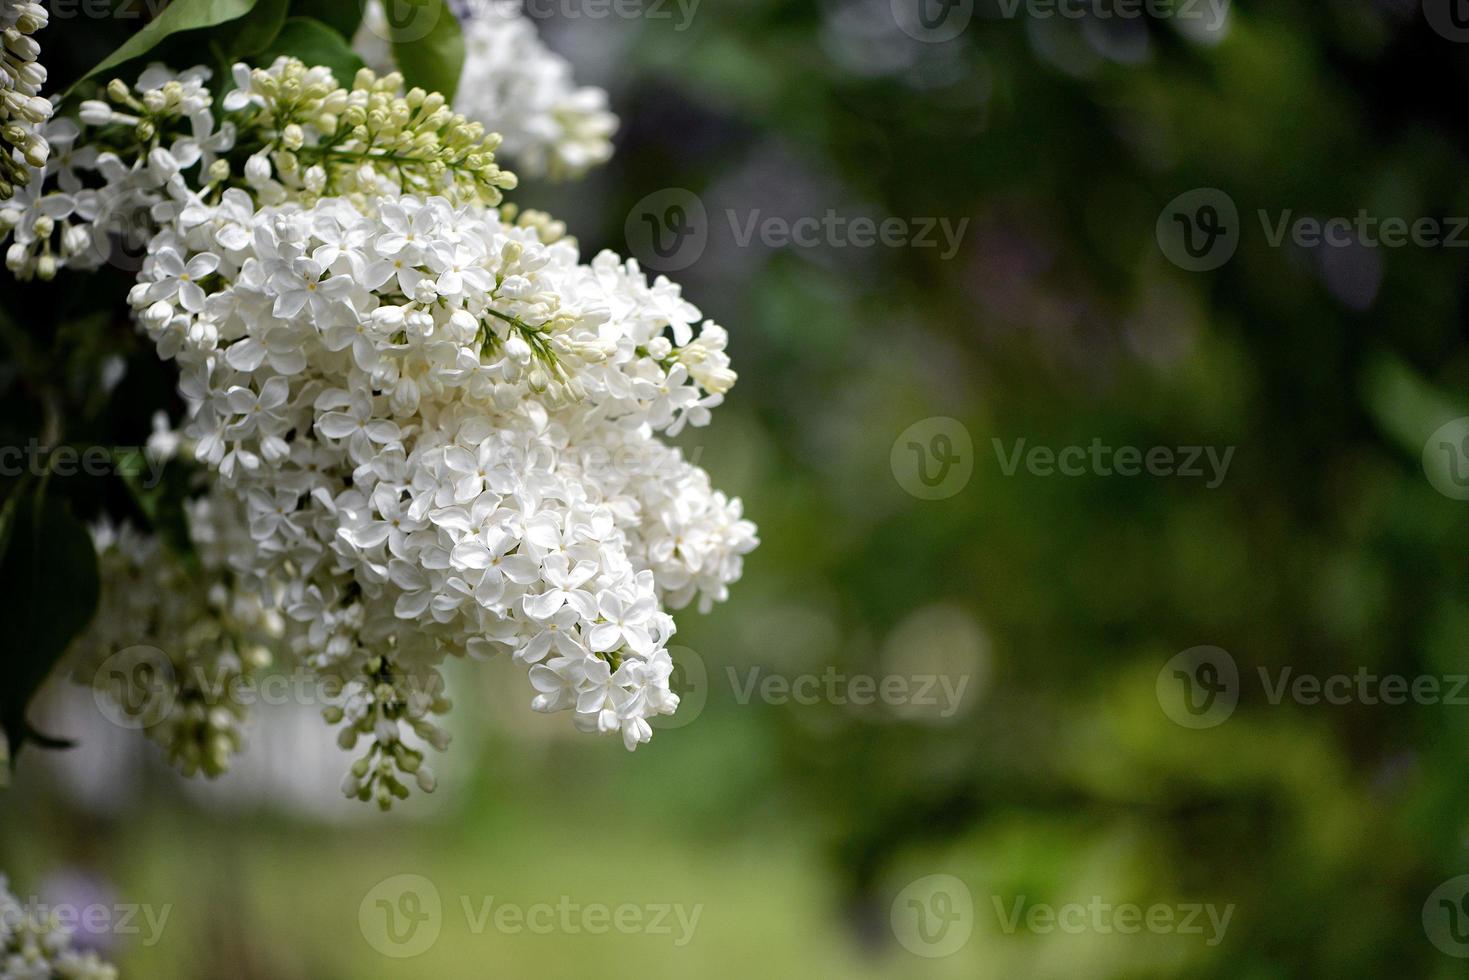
34	946
22	110
518	88
441	429
122	170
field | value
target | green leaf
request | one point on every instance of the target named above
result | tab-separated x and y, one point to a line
254	32
342	16
315	44
427	44
49	581
179	16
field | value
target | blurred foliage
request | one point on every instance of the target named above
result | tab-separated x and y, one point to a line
1059	321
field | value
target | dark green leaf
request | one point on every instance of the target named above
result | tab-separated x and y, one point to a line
179	16
342	16
48	578
427	43
315	44
254	32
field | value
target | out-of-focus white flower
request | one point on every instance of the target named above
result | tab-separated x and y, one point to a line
518	88
35	946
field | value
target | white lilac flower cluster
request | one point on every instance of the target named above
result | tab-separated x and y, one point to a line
204	636
121	167
518	88
33	947
441	429
22	110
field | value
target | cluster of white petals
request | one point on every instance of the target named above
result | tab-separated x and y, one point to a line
22	110
518	88
439	429
34	946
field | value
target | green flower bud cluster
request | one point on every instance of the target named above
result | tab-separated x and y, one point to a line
371	139
204	730
384	698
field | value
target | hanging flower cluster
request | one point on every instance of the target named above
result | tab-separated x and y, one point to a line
438	426
204	636
519	88
22	109
37	948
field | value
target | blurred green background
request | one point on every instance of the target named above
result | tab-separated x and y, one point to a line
1058	600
